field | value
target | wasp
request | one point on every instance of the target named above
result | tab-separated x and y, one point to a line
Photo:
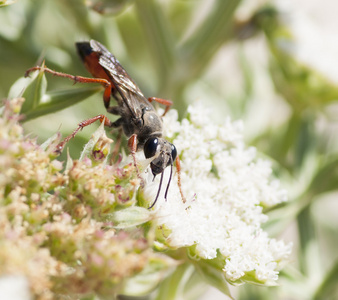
138	119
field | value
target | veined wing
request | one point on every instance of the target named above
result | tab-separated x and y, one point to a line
127	88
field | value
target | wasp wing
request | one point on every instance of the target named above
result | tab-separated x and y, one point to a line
127	88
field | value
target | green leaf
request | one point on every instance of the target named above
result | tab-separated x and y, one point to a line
51	142
328	290
88	148
209	36
301	85
159	35
146	281
130	217
34	92
18	87
250	277
6	2
326	178
285	143
305	140
69	163
173	286
57	100
213	276
309	254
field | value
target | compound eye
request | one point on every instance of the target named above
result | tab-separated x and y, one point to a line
173	152
150	147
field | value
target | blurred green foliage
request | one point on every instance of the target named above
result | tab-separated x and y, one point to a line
172	49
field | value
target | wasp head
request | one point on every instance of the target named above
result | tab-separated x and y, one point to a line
165	154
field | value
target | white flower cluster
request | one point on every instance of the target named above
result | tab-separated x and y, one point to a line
226	188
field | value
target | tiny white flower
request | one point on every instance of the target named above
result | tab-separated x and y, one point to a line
226	188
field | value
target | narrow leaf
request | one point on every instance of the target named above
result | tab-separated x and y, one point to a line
146	281
57	100
213	276
88	148
130	217
7	2
159	34
173	286
326	178
207	38
34	93
329	287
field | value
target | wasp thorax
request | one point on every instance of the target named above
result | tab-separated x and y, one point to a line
152	120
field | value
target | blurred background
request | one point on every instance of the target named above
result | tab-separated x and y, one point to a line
272	64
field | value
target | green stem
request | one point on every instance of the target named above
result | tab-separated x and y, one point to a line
209	36
309	255
329	286
173	287
159	36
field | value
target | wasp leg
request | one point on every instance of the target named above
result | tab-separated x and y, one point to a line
132	144
115	110
178	168
81	125
165	102
104	82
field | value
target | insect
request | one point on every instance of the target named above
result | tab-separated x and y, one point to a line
137	116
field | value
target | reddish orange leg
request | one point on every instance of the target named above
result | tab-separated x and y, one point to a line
132	144
165	102
178	168
104	82
81	125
